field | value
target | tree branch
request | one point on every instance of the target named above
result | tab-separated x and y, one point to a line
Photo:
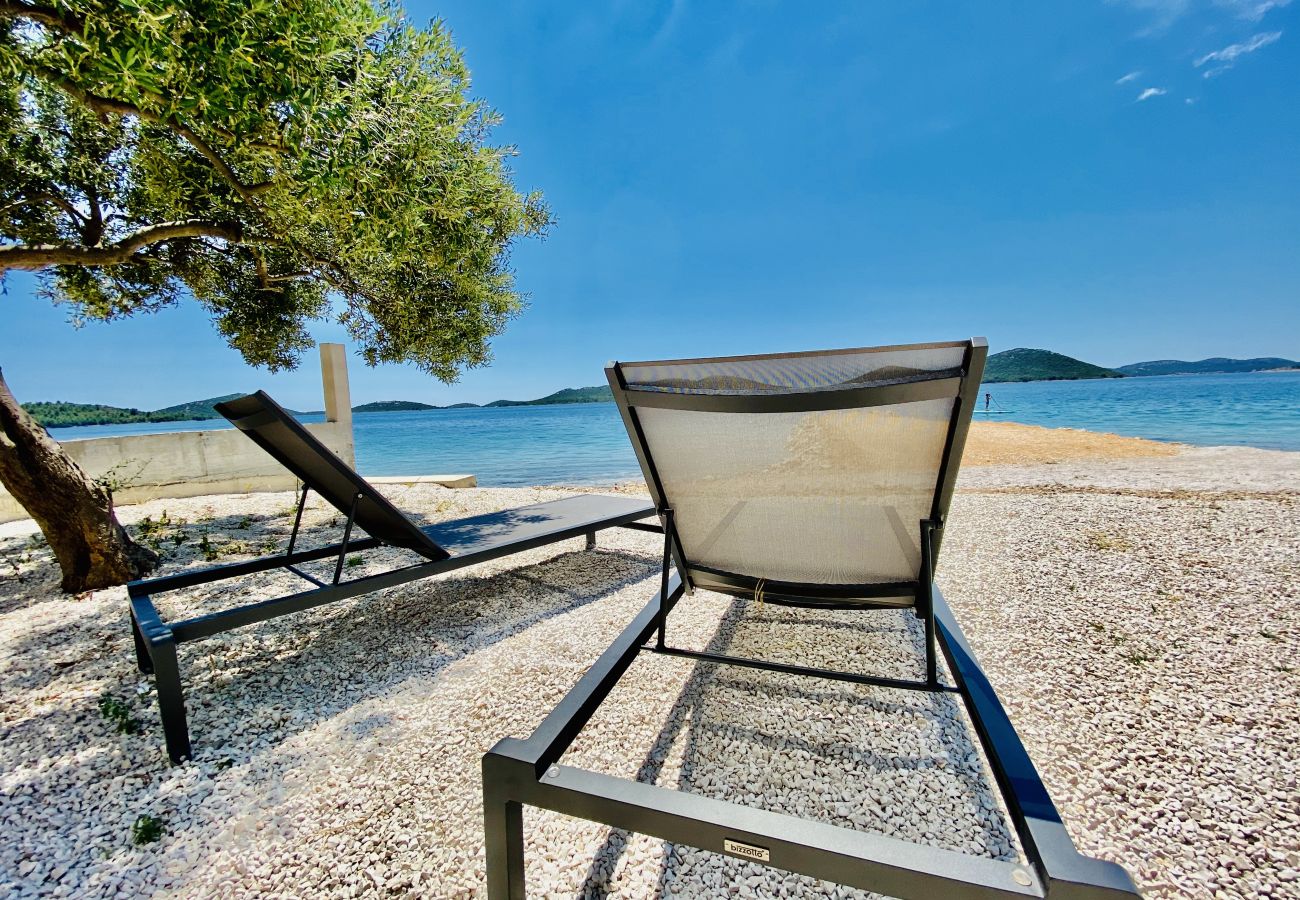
333	274
104	105
58	201
44	255
93	233
260	261
46	15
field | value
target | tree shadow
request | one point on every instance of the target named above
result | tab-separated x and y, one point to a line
28	572
251	690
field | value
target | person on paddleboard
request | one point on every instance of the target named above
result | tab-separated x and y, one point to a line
987	398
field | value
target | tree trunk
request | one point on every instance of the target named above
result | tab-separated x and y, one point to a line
74	512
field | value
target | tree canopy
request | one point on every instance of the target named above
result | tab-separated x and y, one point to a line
279	160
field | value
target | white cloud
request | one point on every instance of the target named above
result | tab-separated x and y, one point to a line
1159	15
669	25
1129	77
1252	10
1163	12
1228	55
1190	101
1151	92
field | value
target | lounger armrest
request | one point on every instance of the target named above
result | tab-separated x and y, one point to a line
1069	874
1073	876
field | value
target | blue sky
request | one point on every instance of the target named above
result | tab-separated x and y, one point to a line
1117	181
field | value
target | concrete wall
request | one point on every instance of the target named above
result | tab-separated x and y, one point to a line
192	463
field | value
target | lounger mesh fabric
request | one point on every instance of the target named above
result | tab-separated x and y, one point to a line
796	373
273	429
830	497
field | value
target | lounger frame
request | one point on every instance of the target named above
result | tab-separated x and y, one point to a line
156	640
519	773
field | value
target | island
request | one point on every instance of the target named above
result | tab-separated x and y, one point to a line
1020	364
61	414
1024	364
1217	365
595	394
393	406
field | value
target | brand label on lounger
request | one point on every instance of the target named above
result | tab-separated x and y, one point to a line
745	851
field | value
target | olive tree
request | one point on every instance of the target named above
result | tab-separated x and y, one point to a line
277	161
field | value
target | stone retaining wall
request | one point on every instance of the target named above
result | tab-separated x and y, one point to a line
192	463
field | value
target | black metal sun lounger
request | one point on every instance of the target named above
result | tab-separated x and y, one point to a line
816	480
445	546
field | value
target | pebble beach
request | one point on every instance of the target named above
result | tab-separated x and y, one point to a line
1134	605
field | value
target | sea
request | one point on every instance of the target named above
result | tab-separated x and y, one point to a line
586	444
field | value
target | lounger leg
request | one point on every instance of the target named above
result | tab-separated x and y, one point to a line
662	630
142	660
171	699
503	822
925	604
591	540
931	656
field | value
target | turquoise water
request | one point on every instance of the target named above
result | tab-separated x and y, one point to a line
1257	409
586	443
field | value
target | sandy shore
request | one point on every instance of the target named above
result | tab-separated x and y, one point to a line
1134	603
1010	443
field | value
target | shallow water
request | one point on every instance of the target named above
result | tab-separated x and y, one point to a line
586	443
1256	409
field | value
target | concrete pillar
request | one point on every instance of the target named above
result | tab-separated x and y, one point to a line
338	395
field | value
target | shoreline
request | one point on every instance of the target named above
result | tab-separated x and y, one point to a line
1015	443
1194	418
996	453
362	409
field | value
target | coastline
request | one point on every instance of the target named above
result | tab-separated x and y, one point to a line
1014	443
1114	589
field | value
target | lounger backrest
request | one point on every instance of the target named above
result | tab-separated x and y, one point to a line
812	469
277	432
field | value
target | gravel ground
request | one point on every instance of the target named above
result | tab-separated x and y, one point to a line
1142	635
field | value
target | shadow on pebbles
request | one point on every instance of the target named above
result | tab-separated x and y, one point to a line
1142	642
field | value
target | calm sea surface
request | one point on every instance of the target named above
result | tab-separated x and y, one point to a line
586	444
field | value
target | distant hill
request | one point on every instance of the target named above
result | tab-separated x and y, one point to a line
595	394
60	414
1023	364
599	394
391	406
195	409
1214	365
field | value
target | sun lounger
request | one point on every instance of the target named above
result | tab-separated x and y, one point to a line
444	546
818	480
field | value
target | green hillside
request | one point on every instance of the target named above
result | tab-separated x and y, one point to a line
392	406
195	409
58	413
1023	364
595	394
61	414
1213	366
